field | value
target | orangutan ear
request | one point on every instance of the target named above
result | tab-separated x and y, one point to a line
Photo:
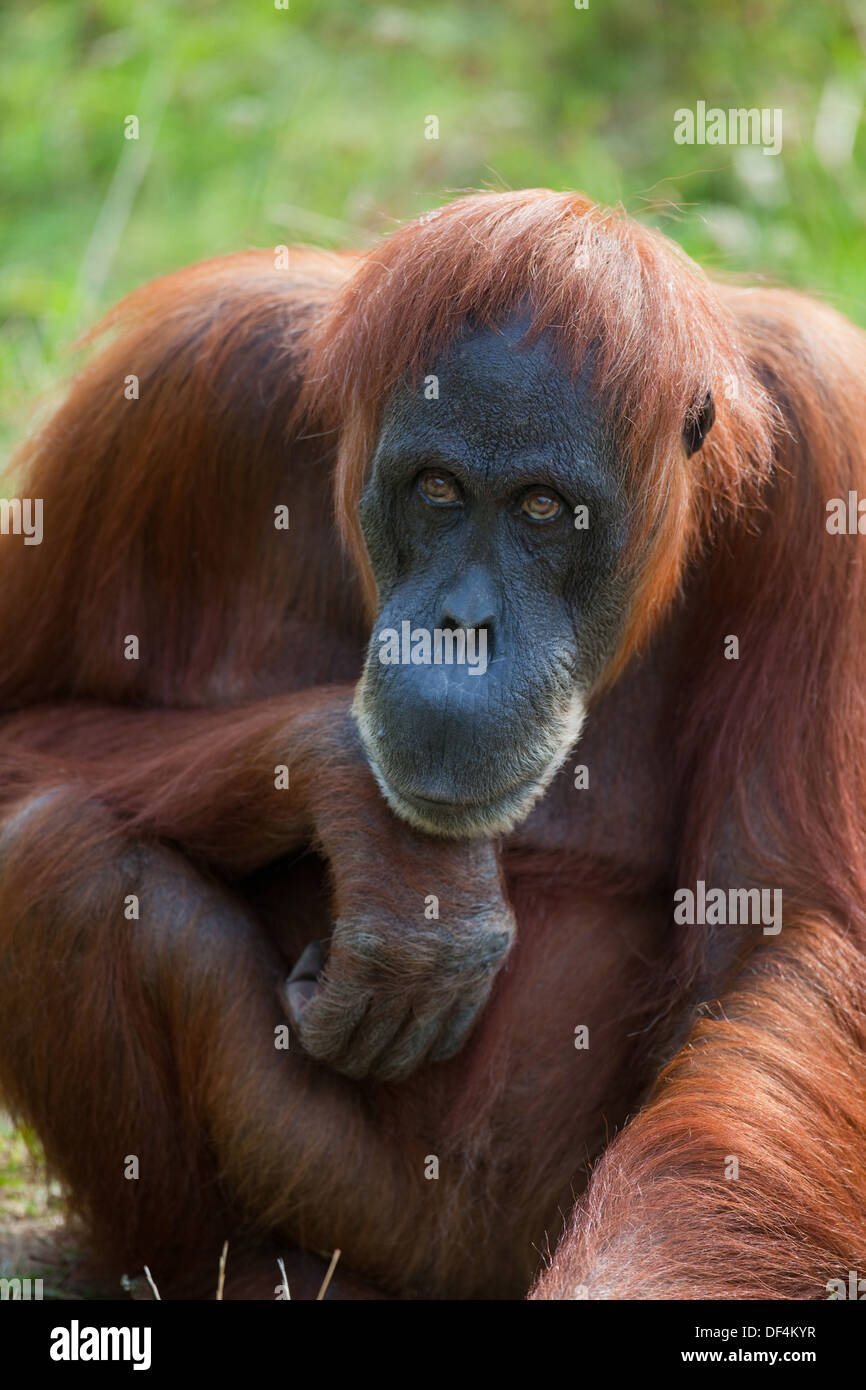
698	426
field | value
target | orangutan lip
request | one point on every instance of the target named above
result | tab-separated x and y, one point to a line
425	803
449	803
438	805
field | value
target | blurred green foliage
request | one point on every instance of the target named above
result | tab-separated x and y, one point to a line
25	1189
261	125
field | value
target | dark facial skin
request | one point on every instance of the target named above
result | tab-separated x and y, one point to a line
469	521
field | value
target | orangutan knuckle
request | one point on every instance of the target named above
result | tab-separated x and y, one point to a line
478	953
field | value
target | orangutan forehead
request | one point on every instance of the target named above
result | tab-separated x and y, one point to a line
503	372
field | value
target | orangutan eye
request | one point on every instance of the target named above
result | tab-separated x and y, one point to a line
438	488
540	505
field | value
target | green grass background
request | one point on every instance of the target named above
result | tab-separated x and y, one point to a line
261	126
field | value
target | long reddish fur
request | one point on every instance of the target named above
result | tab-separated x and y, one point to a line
771	753
770	758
